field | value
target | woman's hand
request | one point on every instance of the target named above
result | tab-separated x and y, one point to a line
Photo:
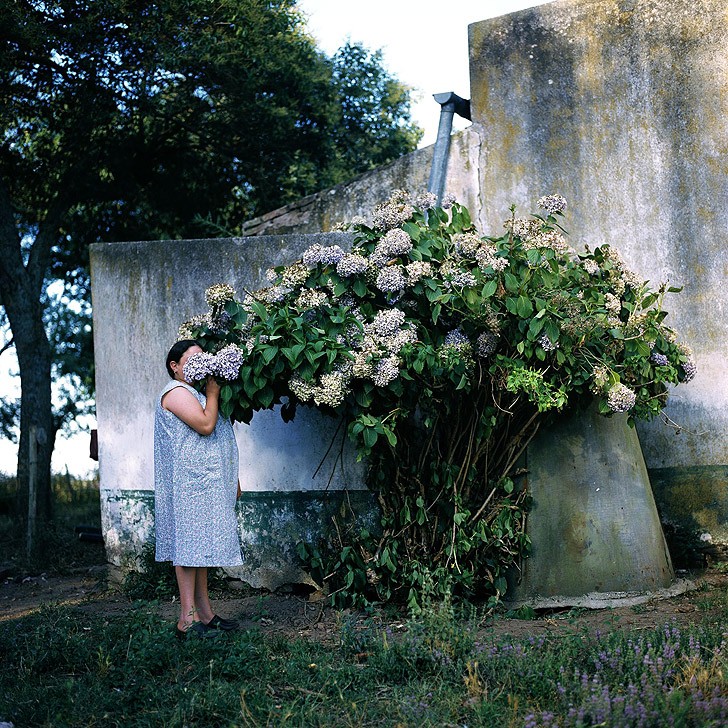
212	388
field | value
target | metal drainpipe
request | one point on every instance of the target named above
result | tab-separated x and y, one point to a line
450	104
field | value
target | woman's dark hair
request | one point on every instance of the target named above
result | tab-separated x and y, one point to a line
177	350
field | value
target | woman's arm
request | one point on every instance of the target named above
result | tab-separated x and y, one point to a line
184	405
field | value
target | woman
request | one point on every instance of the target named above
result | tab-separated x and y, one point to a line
195	481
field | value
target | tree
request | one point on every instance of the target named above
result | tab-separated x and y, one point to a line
130	119
373	124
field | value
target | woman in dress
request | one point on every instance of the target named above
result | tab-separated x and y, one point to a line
196	485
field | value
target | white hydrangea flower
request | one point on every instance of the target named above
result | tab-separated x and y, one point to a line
620	398
552	203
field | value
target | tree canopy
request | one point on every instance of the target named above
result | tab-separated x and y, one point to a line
128	119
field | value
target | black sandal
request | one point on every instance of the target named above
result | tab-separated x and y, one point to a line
197	630
223	624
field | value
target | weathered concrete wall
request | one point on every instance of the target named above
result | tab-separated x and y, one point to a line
142	292
621	106
320	212
593	524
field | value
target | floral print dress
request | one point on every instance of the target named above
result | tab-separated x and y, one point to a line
195	487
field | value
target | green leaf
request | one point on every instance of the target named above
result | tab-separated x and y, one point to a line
370	437
226	393
360	288
413	230
489	288
266	397
512	283
534	328
269	353
524	307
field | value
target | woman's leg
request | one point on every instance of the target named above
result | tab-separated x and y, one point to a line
186	582
202	598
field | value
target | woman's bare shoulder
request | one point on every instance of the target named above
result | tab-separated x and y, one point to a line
176	395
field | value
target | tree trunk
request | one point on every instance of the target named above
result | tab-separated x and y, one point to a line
36	414
21	285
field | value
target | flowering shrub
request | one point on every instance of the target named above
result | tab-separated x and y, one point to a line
444	351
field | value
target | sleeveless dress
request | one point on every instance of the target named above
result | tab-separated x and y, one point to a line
195	486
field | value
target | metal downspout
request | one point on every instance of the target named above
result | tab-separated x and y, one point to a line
450	104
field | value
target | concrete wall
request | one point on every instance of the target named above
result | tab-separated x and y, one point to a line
621	106
320	212
142	292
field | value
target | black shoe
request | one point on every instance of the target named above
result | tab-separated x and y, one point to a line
223	624
197	630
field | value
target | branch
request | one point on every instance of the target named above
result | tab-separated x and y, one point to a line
11	260
7	345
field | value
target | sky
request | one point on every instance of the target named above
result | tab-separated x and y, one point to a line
424	45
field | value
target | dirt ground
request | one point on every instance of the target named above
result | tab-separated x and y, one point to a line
294	615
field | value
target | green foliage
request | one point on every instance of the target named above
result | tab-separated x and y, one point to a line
58	548
65	667
443	351
371	124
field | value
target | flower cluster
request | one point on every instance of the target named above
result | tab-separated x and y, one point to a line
590	266
426	200
460	279
466	245
386	371
322	255
188	329
546	344
219	294
417	270
227	362
310	298
394	212
548	239
552	203
224	365
487	343
391	280
394	244
456	339
620	398
198	366
689	367
351	264
523	228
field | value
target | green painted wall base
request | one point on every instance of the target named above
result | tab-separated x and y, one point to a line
270	524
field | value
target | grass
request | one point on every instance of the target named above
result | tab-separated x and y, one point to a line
60	668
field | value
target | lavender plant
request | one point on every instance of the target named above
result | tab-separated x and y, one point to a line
444	351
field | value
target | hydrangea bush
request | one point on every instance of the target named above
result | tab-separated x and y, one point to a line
444	351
